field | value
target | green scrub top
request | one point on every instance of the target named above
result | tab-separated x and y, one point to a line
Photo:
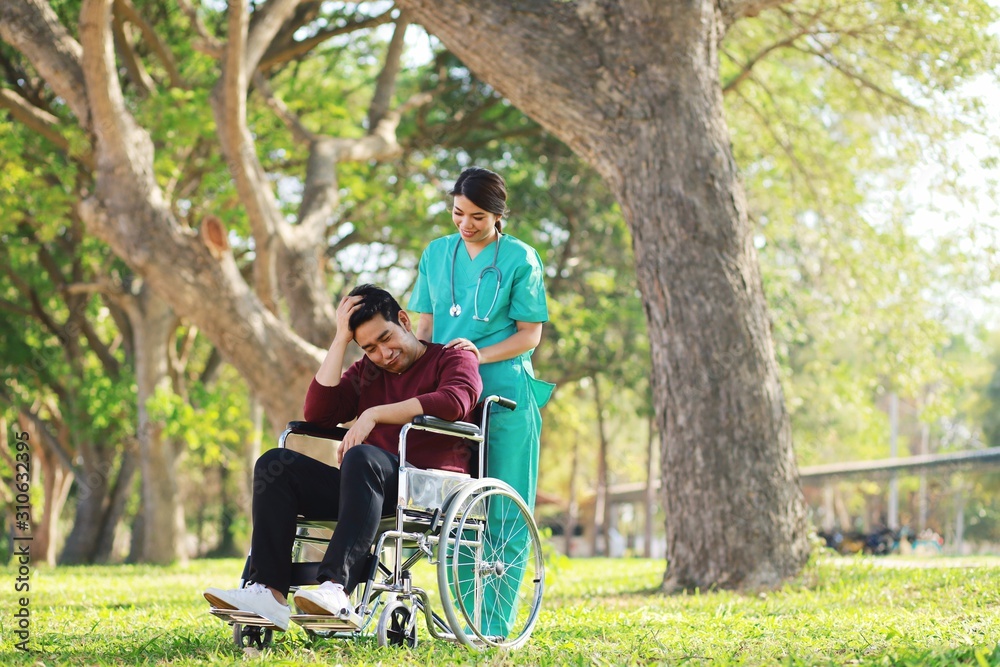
519	296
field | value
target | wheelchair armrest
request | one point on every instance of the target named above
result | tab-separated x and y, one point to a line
308	428
457	428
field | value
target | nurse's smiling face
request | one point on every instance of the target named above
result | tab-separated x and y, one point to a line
477	227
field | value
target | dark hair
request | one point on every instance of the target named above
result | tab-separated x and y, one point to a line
484	188
374	301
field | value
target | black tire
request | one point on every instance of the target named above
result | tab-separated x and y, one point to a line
252	636
397	625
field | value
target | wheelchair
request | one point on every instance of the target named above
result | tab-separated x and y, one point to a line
476	532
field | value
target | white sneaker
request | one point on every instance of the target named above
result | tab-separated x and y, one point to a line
329	598
256	599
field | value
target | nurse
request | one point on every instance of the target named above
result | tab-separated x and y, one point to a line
483	290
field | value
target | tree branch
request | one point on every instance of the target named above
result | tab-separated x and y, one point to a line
207	43
47	438
256	194
385	85
537	73
37	310
136	70
302	279
294	124
266	25
40	121
128	11
120	140
177	359
858	78
212	365
16	309
102	286
32	27
103	352
785	146
299	49
760	55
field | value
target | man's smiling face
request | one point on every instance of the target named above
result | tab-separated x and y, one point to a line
390	346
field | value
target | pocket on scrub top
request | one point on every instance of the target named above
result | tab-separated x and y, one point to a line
481	329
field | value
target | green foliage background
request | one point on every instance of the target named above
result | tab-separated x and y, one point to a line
832	107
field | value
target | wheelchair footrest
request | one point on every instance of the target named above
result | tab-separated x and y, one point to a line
241	617
346	622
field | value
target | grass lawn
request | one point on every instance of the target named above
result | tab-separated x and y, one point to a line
840	611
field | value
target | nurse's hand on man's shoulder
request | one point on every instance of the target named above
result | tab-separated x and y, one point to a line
465	344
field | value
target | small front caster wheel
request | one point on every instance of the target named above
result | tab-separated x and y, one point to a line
397	625
251	636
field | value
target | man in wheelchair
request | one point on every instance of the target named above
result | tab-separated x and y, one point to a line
399	378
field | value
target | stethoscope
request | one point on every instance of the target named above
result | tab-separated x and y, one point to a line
456	309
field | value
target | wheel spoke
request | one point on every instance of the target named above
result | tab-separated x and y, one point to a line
490	569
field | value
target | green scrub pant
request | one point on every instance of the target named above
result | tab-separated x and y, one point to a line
512	456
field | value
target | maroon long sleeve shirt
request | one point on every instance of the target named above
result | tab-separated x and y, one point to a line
445	381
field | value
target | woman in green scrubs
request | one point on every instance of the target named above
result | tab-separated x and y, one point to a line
483	290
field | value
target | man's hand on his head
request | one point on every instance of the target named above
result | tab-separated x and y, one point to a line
347	306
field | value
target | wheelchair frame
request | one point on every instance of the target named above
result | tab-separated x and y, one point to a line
455	537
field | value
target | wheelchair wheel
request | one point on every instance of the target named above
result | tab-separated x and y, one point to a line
397	625
490	569
252	636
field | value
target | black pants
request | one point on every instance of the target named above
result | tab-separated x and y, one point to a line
287	484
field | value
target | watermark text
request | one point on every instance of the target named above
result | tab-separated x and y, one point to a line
22	541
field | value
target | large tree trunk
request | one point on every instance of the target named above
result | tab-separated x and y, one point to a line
572	506
652	491
52	472
601	537
734	509
153	323
56	482
100	503
104	551
92	493
633	88
229	510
